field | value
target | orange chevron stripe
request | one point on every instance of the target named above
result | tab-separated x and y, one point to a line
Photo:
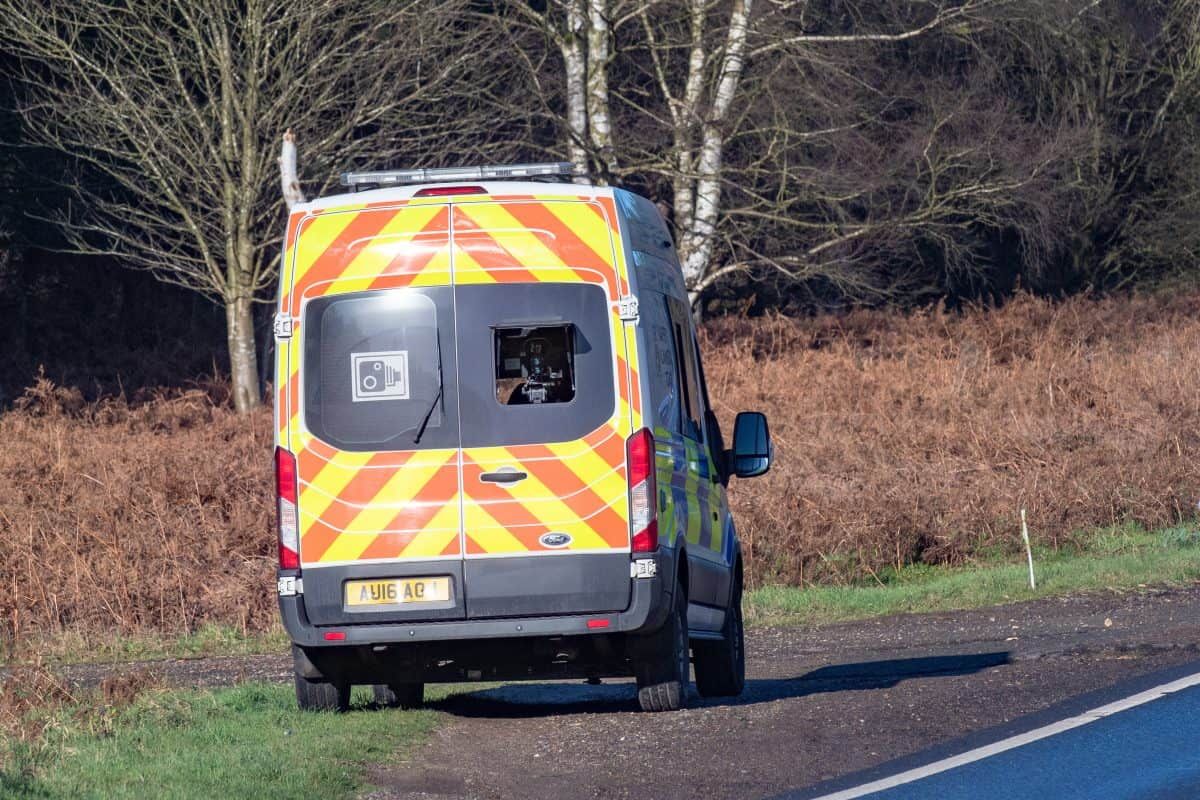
363	489
410	262
487	252
567	245
623	377
441	488
314	458
578	496
597	436
510	513
407	265
330	263
606	207
391	545
316	540
383	458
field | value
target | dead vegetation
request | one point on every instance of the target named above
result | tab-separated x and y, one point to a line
144	514
919	438
899	439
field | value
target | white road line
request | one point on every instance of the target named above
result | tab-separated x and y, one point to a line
1014	742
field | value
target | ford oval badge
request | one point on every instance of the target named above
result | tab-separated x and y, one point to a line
555	539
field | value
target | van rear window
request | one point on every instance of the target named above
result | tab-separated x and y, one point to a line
484	365
535	365
379	368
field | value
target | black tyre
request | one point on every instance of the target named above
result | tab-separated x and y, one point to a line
662	681
400	695
721	666
314	696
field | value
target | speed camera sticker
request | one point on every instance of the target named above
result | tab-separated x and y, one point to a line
379	376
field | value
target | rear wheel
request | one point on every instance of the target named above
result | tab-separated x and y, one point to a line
721	666
662	680
400	695
314	696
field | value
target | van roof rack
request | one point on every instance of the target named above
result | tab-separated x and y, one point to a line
409	177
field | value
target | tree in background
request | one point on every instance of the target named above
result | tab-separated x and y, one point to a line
174	110
856	149
1129	74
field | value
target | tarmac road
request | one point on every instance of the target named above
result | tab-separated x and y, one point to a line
823	707
820	704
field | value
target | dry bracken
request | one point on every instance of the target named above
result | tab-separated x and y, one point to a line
899	439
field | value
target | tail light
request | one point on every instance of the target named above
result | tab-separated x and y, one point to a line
643	491
289	521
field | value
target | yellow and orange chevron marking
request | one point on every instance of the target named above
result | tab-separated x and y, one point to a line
577	488
406	504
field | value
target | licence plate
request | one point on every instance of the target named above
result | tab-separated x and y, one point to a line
397	591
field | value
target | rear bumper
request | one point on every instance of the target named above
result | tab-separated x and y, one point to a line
650	603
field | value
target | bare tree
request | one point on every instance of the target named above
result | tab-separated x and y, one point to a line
751	116
174	109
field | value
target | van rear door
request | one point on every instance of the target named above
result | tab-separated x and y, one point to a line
544	383
370	408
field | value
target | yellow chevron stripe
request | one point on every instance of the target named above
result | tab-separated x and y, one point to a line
318	494
487	533
601	477
585	223
467	269
436	272
395	237
315	237
434	537
526	247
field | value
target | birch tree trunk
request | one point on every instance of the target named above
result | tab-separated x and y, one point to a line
703	192
599	115
575	63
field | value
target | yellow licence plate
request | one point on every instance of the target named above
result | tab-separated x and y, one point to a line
397	591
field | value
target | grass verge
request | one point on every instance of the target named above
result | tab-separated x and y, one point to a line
208	640
1113	559
247	741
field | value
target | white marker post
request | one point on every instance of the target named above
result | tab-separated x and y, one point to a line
1028	550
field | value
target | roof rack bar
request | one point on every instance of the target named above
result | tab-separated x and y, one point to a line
408	177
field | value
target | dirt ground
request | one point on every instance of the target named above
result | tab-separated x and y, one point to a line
820	703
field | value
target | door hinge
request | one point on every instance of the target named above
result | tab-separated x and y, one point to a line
283	326
627	308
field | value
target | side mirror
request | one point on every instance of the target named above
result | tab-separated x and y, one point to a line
752	451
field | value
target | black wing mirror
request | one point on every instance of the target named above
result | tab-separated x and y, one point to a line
752	451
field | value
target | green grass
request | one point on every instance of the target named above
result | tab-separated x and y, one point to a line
248	741
208	640
1114	559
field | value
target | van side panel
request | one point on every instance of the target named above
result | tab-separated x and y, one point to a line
364	507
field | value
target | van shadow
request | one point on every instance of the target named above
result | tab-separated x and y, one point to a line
524	700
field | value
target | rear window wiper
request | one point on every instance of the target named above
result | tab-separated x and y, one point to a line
436	398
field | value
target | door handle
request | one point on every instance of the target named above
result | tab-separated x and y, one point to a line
503	476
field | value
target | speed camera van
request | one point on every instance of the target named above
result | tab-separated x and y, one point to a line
496	457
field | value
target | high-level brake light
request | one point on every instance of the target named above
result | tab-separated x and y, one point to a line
289	523
409	177
446	191
643	491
